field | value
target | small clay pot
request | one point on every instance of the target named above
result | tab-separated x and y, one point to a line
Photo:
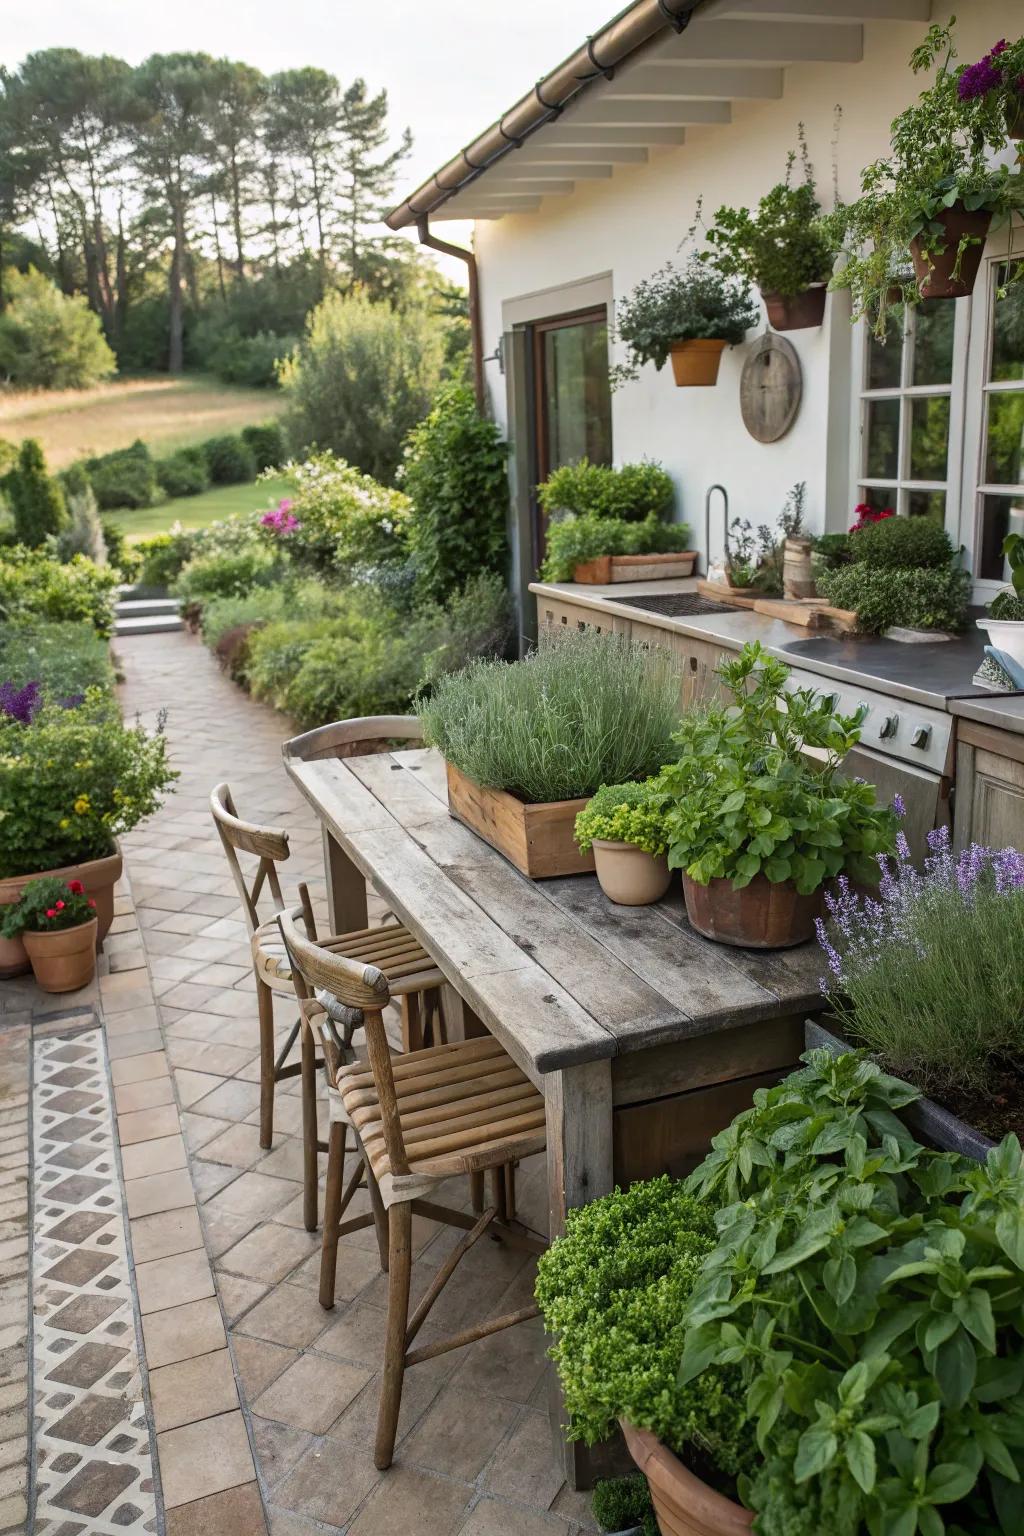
98	876
796	311
64	961
934	275
684	1505
761	915
696	362
628	875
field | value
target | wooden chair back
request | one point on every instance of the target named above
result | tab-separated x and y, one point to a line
353	738
357	986
267	844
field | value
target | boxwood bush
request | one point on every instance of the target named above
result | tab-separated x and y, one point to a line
229	460
124	478
898	542
183	473
266	443
881	596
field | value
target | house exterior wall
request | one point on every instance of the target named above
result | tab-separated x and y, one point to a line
623	229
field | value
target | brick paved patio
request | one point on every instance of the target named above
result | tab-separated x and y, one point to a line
262	1405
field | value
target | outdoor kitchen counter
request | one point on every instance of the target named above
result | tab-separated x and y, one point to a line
1003	712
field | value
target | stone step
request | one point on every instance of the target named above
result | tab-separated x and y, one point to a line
147	607
148	624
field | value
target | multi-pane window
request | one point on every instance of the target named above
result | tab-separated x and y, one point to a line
1000	489
911	381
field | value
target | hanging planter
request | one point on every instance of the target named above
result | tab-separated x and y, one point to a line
688	314
796	311
950	273
696	362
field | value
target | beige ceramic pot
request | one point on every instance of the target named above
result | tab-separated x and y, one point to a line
64	961
684	1505
696	362
761	915
98	876
630	876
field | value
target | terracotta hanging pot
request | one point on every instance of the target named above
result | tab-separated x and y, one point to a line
761	915
696	362
796	311
684	1505
628	875
64	961
98	876
935	273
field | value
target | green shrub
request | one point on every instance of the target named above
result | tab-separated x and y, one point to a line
229	460
124	478
574	540
36	500
230	574
897	542
183	473
50	339
881	597
350	524
455	475
832	549
250	360
73	780
474	622
613	1292
266	444
361	378
583	710
621	1503
120	554
65	659
164	556
634	493
624	813
34	586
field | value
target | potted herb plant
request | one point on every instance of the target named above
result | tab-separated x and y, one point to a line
622	1506
756	829
1005	622
782	247
527	743
935	194
624	826
610	525
921	977
902	574
689	314
56	922
998	78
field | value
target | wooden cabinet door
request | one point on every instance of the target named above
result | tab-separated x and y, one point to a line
989	788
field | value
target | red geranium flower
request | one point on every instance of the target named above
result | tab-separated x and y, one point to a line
60	906
91	902
50	912
76	887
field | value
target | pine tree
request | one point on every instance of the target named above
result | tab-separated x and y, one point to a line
36	501
367	181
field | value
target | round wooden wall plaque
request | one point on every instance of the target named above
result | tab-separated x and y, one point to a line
770	388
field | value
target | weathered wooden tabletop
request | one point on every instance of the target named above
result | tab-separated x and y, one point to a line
560	975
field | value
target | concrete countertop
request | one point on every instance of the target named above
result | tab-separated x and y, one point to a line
1002	711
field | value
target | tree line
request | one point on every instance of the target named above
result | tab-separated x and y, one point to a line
185	184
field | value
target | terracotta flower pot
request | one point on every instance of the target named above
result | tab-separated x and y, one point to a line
684	1505
98	876
628	875
935	279
64	961
761	915
796	311
696	362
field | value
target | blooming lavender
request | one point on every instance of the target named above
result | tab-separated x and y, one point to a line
21	704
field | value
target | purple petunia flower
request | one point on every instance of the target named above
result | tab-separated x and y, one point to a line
21	704
976	80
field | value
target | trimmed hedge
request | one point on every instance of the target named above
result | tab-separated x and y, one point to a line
124	478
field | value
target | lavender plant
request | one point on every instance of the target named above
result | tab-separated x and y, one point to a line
927	976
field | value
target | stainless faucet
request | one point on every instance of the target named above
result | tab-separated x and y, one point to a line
707	523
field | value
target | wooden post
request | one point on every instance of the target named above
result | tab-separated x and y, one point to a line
346	889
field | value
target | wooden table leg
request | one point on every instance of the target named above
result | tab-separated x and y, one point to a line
578	1101
346	889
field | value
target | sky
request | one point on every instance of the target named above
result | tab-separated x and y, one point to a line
449	66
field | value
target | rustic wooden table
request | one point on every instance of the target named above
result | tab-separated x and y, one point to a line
644	1038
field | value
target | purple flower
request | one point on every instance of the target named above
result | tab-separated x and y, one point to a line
21	704
976	80
898	806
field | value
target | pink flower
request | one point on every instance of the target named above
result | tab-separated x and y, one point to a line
50	912
91	902
60	906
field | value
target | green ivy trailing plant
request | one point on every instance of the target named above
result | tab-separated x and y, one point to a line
870	1294
624	813
692	302
782	247
742	799
940	155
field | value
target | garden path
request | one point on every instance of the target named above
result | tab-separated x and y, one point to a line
261	1405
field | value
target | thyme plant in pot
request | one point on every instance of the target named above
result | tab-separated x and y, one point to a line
624	826
781	246
688	313
527	743
56	921
756	827
935	195
1005	622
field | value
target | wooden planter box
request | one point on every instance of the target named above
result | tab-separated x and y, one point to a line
612	568
537	839
928	1121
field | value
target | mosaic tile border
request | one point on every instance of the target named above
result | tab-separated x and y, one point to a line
94	1468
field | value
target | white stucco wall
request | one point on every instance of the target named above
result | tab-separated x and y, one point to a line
632	224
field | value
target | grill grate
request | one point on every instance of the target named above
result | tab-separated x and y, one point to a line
674	605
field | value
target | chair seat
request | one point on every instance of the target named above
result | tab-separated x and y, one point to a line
391	948
463	1107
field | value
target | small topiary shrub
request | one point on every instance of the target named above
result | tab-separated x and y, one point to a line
124	478
266	444
624	813
897	542
229	460
183	473
881	597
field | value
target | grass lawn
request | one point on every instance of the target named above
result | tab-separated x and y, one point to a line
198	511
166	413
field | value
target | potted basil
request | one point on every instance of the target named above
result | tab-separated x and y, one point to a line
756	829
624	826
689	314
781	246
